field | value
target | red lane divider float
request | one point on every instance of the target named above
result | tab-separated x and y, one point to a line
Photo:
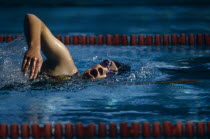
124	130
2	38
109	39
156	130
166	40
102	130
69	130
25	130
207	39
116	39
100	39
92	39
141	40
174	39
157	39
10	38
67	40
199	39
124	40
133	40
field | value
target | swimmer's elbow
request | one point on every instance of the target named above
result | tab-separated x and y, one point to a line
34	20
29	15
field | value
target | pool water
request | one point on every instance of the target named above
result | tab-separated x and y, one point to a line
139	95
139	19
135	96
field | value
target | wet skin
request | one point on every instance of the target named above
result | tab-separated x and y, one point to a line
99	71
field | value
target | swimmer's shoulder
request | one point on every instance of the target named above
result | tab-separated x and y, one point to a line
59	78
52	68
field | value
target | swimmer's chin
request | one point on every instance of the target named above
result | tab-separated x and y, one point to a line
88	78
88	75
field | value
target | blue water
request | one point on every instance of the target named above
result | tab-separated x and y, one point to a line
111	19
123	98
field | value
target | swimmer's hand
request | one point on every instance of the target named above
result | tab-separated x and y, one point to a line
33	61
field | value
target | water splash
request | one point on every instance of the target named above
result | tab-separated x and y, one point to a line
11	60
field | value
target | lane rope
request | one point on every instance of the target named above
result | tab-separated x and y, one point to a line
156	39
102	130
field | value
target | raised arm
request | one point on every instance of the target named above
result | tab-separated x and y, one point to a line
39	38
32	59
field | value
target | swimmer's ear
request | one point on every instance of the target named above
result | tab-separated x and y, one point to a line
122	68
114	67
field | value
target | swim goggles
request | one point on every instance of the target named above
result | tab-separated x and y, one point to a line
107	64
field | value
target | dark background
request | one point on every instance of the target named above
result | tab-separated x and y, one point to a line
109	16
104	2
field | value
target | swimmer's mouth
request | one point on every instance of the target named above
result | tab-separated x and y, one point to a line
91	74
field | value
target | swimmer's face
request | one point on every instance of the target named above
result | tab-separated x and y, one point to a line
101	70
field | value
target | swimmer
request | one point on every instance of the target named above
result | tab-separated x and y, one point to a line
59	61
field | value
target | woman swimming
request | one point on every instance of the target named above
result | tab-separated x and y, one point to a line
59	61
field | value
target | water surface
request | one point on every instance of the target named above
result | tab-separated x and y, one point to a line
138	95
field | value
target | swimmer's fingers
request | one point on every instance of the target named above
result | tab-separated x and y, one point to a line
26	67
33	67
24	63
37	68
